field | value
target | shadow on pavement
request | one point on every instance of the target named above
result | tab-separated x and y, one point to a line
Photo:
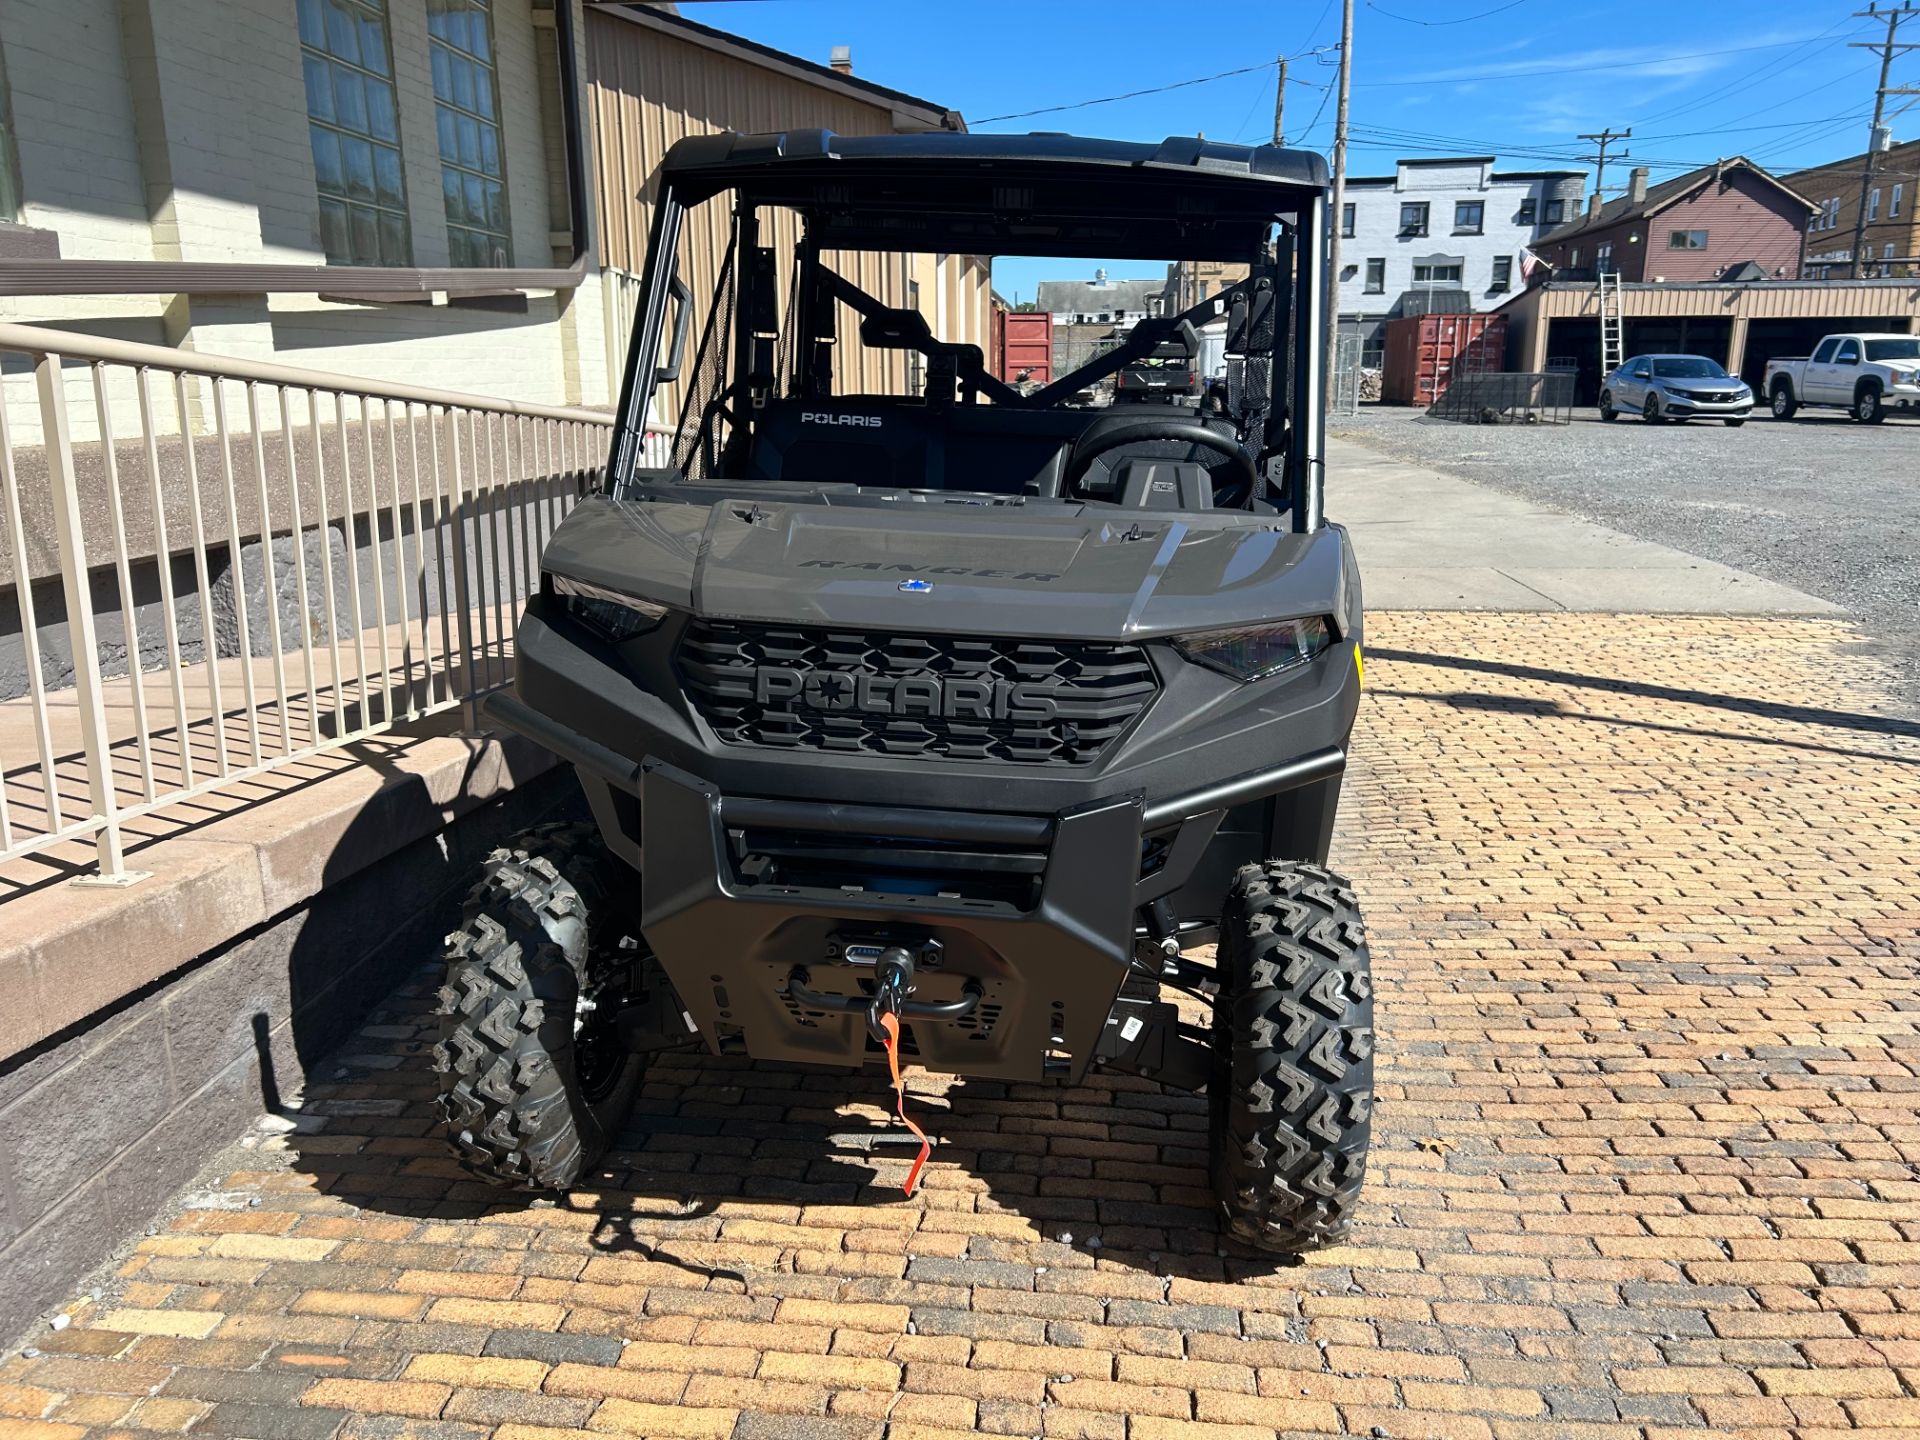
712	1141
1738	704
1117	1163
1528	705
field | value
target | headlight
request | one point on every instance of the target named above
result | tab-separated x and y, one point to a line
1253	652
612	615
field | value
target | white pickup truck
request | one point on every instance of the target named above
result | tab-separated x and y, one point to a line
1866	375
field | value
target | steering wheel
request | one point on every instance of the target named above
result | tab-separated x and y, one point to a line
1227	494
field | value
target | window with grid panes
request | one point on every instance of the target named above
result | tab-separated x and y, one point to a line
354	128
473	180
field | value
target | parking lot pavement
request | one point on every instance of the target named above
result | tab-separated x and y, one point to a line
1645	919
1819	503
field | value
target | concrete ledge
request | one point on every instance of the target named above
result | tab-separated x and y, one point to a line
67	951
102	1122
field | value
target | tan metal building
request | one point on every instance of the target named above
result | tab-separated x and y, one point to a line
1742	325
654	78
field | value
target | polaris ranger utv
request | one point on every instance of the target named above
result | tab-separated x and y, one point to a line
924	719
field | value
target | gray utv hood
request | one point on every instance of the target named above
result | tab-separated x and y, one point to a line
1049	572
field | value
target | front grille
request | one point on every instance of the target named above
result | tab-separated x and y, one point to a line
1034	702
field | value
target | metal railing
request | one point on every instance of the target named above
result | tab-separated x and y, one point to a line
222	567
1507	398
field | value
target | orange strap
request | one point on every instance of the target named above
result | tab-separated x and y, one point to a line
891	1024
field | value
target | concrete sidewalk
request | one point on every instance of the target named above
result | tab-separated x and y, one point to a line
1431	541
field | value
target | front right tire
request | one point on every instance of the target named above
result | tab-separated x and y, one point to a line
1291	1095
1650	412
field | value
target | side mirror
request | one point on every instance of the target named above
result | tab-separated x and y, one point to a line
683	311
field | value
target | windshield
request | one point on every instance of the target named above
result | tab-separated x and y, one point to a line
1894	349
782	360
1687	367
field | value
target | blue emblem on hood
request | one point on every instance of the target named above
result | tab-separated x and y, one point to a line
916	587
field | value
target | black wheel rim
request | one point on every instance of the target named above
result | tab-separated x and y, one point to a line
599	1058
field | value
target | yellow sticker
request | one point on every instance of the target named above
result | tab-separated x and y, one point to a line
1359	668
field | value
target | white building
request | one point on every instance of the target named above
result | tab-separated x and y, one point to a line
1442	234
1101	300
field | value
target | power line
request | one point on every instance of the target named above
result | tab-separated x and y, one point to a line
1775	67
1153	89
1463	20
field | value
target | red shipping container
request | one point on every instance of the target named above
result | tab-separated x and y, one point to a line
1424	352
1026	343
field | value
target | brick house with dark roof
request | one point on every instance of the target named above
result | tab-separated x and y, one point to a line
1707	224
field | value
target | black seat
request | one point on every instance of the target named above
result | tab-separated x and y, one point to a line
846	441
886	440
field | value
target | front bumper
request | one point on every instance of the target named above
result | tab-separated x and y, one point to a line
1047	956
1733	405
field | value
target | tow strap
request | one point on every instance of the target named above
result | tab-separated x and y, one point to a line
890	1023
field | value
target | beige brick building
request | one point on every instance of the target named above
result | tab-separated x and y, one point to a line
274	179
438	192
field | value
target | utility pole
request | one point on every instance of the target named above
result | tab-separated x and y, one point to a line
1886	49
1600	141
1339	183
1280	105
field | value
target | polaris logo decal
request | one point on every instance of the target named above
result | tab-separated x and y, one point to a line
881	567
843	692
811	417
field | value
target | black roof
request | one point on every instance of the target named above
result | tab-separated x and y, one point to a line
1042	194
730	150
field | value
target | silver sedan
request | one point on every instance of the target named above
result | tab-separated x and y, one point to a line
1675	387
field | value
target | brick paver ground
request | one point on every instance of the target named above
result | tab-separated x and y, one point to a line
1647	1156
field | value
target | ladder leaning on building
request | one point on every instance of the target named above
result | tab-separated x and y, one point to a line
1612	329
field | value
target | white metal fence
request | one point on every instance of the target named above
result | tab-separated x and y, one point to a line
259	563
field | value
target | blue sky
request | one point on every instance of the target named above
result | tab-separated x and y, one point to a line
1514	78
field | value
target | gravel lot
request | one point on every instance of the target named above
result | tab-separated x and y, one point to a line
1820	503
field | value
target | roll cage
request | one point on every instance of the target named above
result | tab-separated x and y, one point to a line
759	359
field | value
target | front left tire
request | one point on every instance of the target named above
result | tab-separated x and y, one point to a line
1291	1097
